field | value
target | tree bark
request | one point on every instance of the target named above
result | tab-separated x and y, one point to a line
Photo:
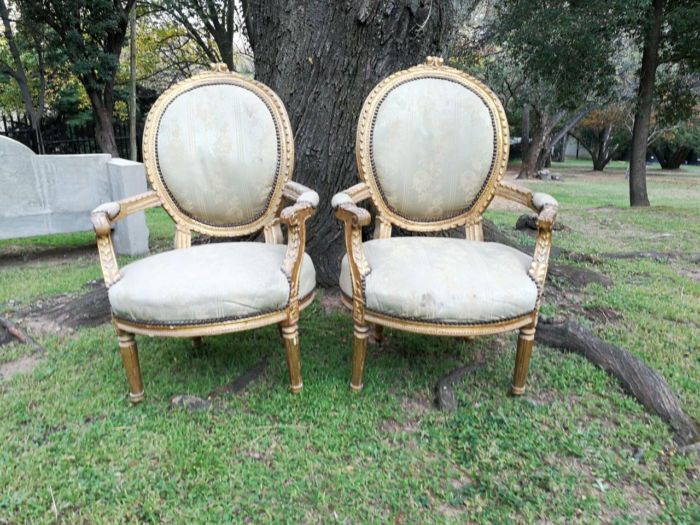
103	110
538	149
525	140
642	116
323	58
133	148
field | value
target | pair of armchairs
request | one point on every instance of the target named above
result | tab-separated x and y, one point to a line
432	147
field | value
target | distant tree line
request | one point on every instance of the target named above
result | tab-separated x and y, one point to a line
619	75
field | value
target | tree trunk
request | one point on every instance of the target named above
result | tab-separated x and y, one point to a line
642	116
525	140
528	168
103	111
323	58
671	159
133	148
599	162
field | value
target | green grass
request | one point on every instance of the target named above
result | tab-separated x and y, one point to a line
574	449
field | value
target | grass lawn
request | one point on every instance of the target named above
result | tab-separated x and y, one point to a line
575	448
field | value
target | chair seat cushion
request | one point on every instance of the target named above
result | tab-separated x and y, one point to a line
445	280
207	283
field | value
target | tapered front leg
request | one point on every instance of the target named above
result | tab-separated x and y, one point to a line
522	359
290	335
359	353
130	357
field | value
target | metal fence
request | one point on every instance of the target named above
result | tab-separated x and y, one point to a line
61	138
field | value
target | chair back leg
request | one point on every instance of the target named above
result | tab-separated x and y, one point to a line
290	335
522	359
377	333
130	357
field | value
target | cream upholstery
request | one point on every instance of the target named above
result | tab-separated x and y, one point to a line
217	150
207	283
448	280
540	200
432	148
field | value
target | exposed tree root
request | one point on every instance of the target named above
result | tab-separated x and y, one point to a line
645	384
89	309
241	382
444	393
22	337
598	258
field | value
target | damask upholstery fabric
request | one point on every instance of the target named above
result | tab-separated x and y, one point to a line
208	282
217	150
432	148
447	280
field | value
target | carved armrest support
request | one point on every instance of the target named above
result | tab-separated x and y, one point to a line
297	193
354	218
103	218
546	208
295	218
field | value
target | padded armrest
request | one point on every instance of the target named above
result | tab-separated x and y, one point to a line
299	193
352	195
115	211
110	208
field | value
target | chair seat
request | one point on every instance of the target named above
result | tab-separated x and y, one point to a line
445	280
207	283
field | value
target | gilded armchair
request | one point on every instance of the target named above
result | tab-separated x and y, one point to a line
432	148
219	154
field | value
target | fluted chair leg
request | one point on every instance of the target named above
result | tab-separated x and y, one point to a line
290	335
130	357
359	352
526	340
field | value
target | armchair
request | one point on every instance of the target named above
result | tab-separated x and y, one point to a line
219	154
432	148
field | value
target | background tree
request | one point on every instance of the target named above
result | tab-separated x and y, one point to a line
567	65
216	26
91	34
668	32
603	134
673	146
15	68
323	58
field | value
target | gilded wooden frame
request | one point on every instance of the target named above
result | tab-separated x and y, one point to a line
219	75
355	218
432	68
294	217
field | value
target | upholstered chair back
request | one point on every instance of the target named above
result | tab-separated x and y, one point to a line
218	150
432	144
